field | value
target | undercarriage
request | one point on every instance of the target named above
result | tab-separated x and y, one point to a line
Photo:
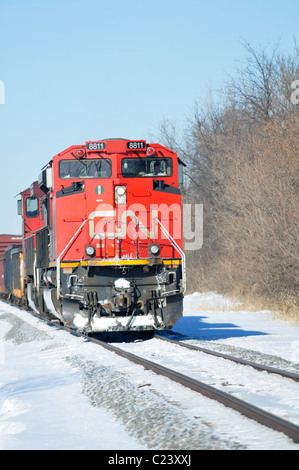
111	298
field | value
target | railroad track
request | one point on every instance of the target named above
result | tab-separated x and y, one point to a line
250	411
254	365
246	409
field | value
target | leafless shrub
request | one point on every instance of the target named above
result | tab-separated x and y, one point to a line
243	165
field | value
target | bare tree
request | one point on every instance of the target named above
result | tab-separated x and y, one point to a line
242	152
253	88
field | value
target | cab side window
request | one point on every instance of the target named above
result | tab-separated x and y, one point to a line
32	209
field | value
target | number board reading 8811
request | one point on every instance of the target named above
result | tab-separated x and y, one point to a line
136	145
96	146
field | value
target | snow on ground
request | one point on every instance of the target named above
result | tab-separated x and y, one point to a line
58	391
209	317
41	400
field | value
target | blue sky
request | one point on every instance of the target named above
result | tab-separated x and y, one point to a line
83	70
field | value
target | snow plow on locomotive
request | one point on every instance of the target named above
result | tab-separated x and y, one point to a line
102	237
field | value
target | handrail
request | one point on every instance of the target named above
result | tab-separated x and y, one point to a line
62	253
180	251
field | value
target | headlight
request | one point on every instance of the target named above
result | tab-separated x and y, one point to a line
120	195
90	251
155	249
120	190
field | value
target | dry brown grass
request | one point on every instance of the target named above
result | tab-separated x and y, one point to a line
286	308
283	307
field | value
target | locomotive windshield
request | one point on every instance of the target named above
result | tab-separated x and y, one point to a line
32	207
99	168
141	167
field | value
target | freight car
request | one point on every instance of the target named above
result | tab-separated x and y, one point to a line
11	267
102	238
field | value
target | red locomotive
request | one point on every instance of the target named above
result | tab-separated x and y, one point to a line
102	237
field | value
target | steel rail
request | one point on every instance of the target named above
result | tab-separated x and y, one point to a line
260	367
246	409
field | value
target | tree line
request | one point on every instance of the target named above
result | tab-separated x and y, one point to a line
241	147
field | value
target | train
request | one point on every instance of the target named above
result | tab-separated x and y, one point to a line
102	245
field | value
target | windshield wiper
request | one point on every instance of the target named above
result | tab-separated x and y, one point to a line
105	159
